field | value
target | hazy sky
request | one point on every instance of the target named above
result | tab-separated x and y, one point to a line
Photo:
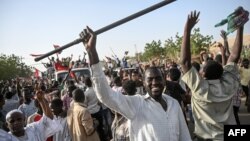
33	26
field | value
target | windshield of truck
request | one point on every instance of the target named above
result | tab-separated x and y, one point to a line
78	73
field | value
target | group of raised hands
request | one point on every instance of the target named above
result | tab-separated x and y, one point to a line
88	37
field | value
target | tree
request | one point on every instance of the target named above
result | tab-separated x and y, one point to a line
171	48
152	50
245	51
12	66
199	42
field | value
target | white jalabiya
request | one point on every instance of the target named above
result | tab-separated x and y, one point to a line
40	130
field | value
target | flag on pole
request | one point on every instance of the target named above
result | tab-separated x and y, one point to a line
235	20
36	73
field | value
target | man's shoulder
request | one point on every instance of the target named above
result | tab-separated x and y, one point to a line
231	70
231	66
7	136
21	106
165	96
191	72
89	91
170	99
78	107
11	101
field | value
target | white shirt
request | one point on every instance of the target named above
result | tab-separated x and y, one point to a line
80	85
148	120
62	135
28	109
117	89
40	130
9	105
15	97
91	101
139	90
4	136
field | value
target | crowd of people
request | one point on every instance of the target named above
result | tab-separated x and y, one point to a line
146	103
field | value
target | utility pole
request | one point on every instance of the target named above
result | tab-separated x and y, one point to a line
136	53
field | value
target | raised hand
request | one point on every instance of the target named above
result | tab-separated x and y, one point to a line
39	95
89	39
185	47
222	48
192	20
223	34
44	105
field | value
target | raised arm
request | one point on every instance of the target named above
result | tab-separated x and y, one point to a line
226	47
71	58
202	53
236	50
185	48
89	41
126	105
223	54
49	59
44	104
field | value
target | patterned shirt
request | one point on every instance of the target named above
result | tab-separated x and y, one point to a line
66	101
119	128
237	98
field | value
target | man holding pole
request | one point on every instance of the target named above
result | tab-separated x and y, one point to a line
153	117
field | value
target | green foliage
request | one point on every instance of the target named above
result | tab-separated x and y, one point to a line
245	52
151	50
171	48
12	66
199	42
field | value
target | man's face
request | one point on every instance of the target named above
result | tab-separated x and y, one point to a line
70	91
154	82
26	95
125	76
134	76
245	64
16	122
55	109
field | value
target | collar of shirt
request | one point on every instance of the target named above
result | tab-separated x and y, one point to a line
79	103
147	96
87	88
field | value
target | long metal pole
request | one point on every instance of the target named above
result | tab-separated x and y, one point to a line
108	27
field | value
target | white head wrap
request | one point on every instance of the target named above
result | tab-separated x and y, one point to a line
13	111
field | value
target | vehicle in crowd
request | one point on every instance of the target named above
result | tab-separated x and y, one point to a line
77	71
